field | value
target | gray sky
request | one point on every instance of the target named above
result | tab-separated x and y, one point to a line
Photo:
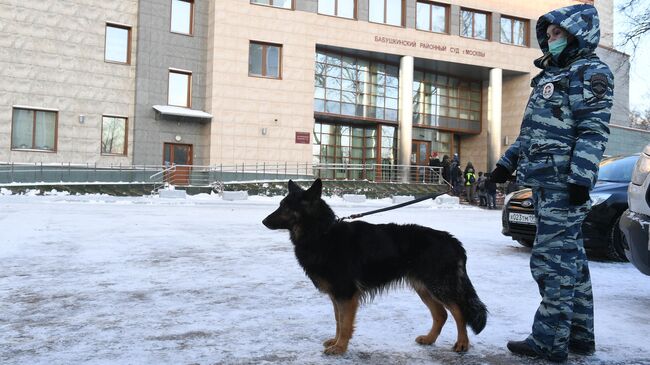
640	61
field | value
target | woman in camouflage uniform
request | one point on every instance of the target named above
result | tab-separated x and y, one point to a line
562	139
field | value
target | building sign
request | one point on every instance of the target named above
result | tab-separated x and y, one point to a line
430	46
302	137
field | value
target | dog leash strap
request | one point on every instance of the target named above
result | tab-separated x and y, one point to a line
359	215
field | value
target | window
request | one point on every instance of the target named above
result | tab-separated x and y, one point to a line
182	16
355	87
446	102
33	129
286	4
340	8
264	60
386	11
431	17
474	24
114	135
118	44
514	31
180	88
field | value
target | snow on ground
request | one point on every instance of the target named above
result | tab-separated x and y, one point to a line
105	280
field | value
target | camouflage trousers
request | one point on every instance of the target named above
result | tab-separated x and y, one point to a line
565	316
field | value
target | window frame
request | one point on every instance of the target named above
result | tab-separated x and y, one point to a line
512	31
189	86
354	10
264	71
171	13
270	5
431	4
128	45
403	15
126	136
32	147
488	24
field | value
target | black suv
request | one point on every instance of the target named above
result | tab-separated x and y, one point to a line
600	229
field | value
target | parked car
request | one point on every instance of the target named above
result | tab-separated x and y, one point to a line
635	222
600	229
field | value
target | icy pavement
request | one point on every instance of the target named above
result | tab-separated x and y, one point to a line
105	280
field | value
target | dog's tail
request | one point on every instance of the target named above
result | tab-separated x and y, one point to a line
474	311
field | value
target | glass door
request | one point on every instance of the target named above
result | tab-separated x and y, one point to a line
179	155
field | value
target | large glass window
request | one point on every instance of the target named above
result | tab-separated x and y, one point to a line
33	129
340	8
180	88
386	11
446	102
117	46
264	60
355	87
514	31
431	17
114	135
286	4
181	20
474	24
348	144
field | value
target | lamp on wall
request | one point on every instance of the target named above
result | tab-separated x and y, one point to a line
264	131
82	119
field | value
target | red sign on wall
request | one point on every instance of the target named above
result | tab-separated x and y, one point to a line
302	137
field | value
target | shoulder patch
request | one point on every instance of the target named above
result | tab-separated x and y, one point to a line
599	85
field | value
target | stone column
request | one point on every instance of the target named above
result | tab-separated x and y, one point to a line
405	116
494	117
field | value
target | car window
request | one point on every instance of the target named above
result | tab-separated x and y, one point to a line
617	169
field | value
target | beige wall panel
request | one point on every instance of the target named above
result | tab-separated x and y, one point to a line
53	57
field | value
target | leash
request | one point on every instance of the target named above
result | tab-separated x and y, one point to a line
359	215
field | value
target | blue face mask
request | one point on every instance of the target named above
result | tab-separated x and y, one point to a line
557	46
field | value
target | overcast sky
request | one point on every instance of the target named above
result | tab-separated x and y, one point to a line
640	61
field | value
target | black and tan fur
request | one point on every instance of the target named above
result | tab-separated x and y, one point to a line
353	261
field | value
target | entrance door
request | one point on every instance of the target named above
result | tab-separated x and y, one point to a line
181	156
420	156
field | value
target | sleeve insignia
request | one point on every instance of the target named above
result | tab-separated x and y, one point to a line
599	85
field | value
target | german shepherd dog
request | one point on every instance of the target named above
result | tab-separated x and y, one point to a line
354	261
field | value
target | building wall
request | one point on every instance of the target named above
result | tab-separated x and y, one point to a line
625	140
52	56
244	105
160	50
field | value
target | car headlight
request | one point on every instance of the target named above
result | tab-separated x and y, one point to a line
641	169
506	200
598	198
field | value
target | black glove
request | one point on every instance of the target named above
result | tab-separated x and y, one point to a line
578	194
500	174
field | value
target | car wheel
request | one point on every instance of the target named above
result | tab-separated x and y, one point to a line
525	243
616	248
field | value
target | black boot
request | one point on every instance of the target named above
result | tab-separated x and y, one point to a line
522	348
582	348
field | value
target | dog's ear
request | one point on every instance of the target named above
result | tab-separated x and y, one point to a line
293	187
314	192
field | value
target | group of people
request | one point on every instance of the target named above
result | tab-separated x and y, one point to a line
466	182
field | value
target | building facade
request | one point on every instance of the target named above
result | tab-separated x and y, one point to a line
158	82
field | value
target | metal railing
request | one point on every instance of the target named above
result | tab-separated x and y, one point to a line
193	175
35	173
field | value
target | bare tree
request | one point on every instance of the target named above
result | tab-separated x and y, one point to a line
637	13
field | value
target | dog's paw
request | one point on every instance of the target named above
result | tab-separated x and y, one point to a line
425	340
329	342
335	350
461	346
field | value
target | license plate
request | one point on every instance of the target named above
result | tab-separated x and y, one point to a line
522	218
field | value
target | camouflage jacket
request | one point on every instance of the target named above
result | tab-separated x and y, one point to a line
565	126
